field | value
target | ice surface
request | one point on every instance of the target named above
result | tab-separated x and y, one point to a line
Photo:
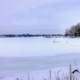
33	58
23	47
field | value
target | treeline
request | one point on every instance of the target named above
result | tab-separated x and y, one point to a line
74	31
32	35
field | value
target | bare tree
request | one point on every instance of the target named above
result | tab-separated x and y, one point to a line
74	31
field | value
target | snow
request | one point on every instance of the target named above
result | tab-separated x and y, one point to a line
33	58
33	75
23	47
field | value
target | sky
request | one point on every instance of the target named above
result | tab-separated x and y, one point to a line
38	16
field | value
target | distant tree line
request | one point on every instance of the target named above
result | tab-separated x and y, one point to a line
31	35
74	31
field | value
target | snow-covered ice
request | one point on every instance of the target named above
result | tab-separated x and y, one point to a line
33	58
23	47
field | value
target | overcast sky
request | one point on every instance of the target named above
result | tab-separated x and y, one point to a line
38	16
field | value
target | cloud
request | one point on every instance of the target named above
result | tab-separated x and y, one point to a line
24	15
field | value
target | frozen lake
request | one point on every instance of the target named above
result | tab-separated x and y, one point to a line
24	47
18	56
37	52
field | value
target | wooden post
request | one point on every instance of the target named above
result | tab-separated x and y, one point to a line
28	76
50	74
70	67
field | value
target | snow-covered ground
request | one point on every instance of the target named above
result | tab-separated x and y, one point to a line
34	58
60	73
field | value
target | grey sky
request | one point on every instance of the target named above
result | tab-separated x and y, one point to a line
38	16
